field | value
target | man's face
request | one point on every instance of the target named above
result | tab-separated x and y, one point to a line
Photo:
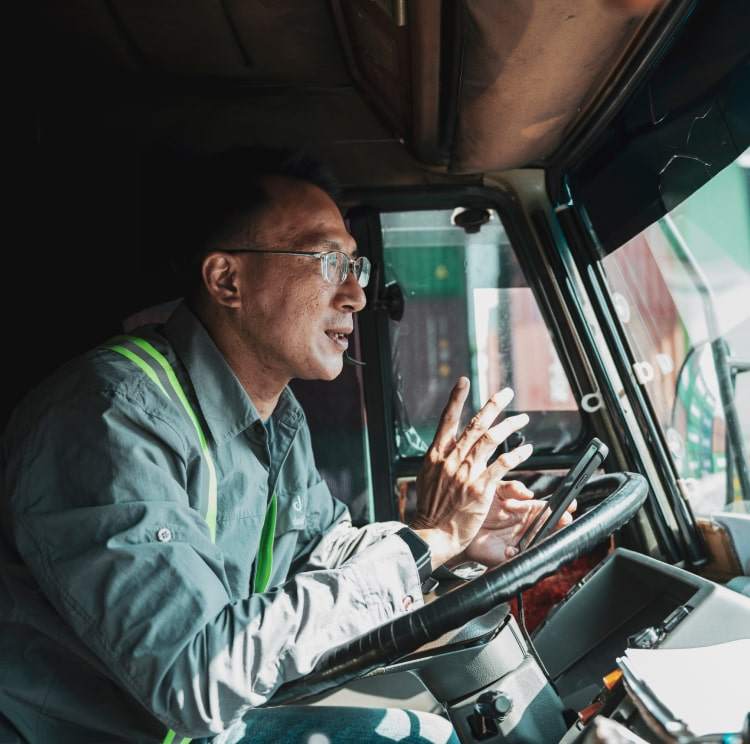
297	324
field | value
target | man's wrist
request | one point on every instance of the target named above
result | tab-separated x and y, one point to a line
442	548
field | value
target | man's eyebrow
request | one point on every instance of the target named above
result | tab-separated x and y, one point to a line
326	245
335	245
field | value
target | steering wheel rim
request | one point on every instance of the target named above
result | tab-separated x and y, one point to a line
403	635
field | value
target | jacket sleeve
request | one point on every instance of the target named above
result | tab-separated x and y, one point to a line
329	539
101	516
333	540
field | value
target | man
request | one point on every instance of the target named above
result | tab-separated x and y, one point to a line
170	553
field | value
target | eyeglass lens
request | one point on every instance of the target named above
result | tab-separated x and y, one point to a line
336	268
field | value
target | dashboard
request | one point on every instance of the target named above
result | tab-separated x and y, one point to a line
632	600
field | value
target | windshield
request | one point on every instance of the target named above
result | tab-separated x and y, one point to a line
681	290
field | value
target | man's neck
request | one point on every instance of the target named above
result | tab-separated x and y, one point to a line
261	382
258	385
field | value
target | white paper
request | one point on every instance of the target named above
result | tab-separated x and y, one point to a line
707	687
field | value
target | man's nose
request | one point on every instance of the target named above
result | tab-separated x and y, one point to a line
350	296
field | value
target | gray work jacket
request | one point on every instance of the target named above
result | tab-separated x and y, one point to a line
119	617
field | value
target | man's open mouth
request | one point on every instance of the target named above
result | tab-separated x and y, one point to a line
340	339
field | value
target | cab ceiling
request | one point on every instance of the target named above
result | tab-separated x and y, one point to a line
390	91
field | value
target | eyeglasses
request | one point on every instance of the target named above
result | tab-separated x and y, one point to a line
334	265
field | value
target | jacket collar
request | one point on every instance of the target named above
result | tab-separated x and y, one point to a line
227	408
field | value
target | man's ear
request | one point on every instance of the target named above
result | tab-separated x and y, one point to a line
220	277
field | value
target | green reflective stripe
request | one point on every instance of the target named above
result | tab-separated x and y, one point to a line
212	480
141	364
172	377
264	559
169	738
161	360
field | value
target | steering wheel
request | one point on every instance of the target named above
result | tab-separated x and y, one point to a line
396	639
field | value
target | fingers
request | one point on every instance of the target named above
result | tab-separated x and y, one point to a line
522	518
524	506
567	517
445	436
507	461
532	521
479	426
486	444
513	490
534	514
516	513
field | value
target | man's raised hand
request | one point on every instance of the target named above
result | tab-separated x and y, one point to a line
456	487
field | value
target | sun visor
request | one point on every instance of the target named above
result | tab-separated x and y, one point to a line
527	70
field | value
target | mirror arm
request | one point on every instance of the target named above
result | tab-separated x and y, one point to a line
725	374
720	354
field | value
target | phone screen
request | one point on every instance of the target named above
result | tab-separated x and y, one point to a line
570	486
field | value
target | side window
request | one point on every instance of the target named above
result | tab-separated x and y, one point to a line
468	310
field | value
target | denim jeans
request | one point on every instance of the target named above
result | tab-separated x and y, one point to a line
330	725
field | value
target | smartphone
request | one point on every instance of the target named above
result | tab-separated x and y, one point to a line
570	486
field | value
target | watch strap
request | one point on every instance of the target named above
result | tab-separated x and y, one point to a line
420	551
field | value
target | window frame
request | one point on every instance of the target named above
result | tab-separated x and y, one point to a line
387	465
668	510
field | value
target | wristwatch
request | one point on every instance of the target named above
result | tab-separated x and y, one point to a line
420	551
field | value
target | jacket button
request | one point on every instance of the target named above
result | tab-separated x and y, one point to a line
164	535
